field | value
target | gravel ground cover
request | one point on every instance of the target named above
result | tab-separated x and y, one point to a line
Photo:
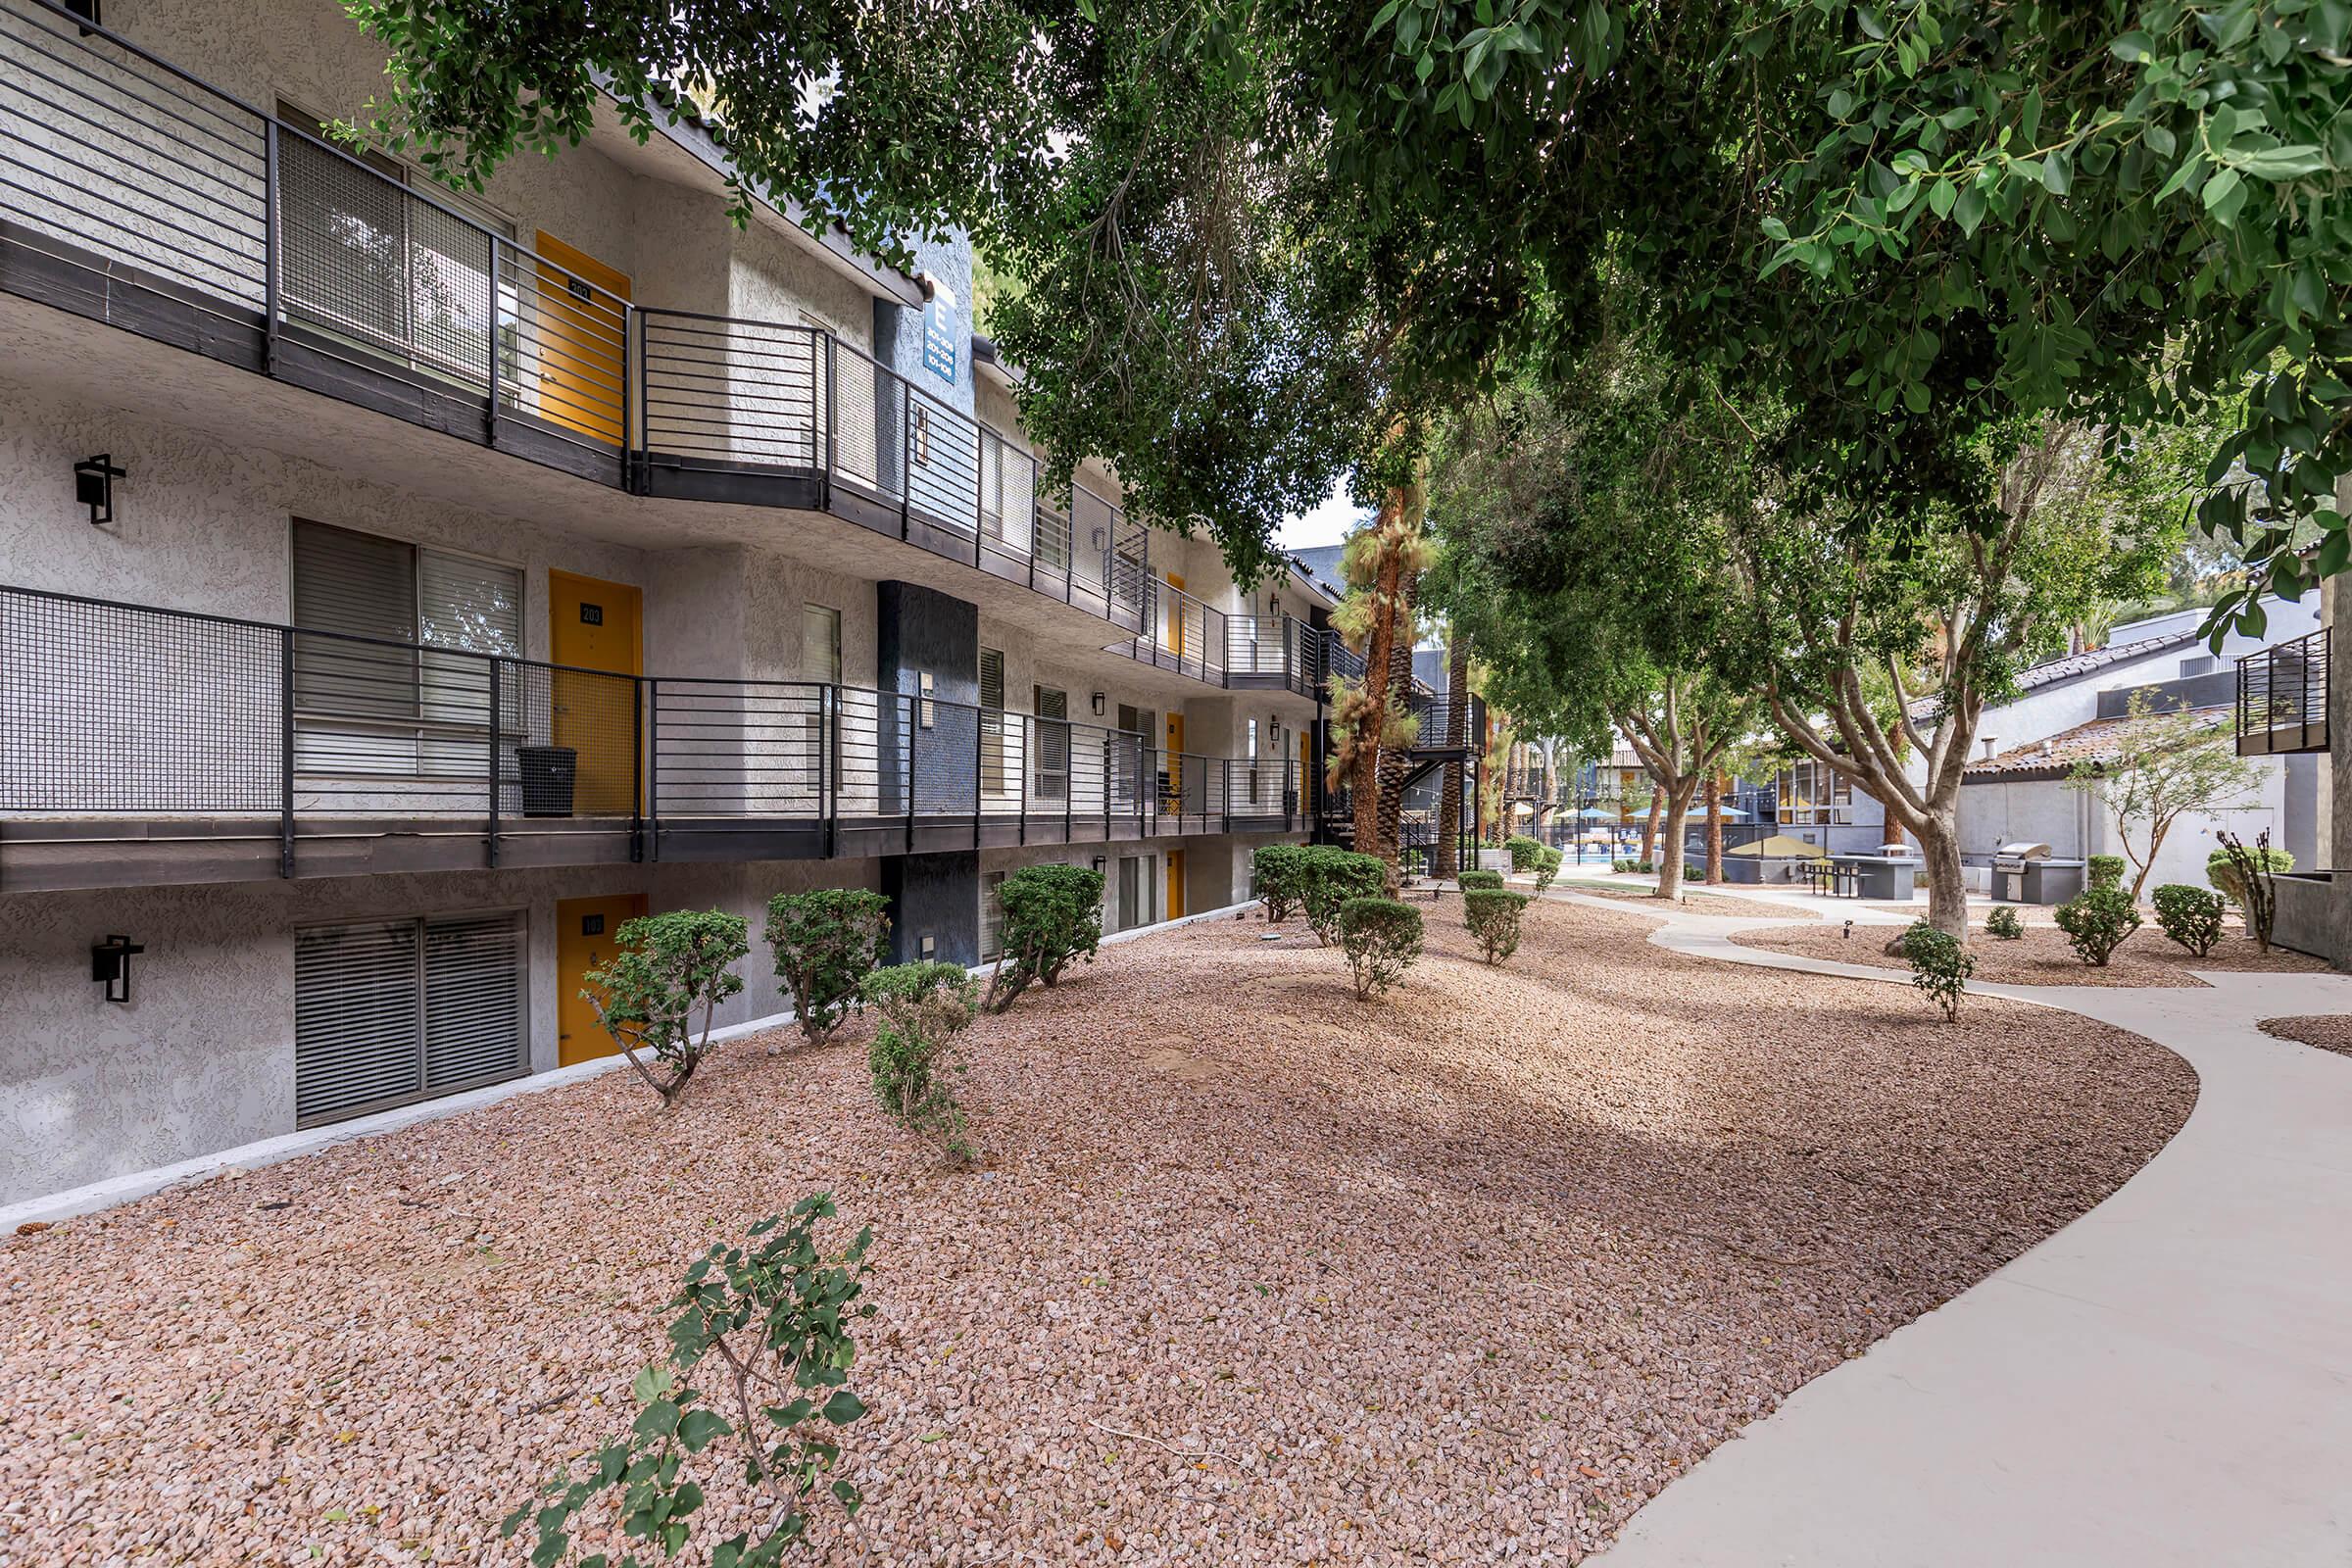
1250	1272
2329	1031
2043	957
1693	901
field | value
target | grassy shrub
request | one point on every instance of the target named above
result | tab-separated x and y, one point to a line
2105	870
826	942
2097	921
1382	939
1547	867
924	1006
1053	918
2190	916
1493	917
1481	879
1277	869
2003	925
1334	876
669	967
1523	850
1940	967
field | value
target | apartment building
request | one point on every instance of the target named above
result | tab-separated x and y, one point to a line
401	590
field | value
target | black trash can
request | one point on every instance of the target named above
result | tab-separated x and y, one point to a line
548	773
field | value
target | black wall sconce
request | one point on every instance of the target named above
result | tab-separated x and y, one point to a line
1100	863
1097	700
110	965
94	486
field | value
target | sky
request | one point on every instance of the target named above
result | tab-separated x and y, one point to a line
1326	524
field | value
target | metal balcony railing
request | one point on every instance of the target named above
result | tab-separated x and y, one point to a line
243	730
135	193
2282	698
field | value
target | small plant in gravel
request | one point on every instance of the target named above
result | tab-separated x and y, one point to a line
669	967
925	1008
1493	917
1382	939
1547	867
1523	850
1053	918
1276	869
2105	870
827	942
2097	921
2003	925
2190	916
769	1321
1334	876
1480	879
2253	873
1940	965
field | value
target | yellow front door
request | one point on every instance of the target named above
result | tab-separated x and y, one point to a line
1173	763
587	931
581	358
1175	884
594	625
1175	627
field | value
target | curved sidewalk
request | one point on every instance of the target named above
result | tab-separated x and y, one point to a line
2165	1381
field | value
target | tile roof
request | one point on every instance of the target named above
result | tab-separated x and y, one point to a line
2072	666
2055	757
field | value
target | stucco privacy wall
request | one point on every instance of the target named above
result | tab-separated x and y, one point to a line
2077	826
202	1058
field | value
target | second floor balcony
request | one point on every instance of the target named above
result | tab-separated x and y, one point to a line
146	745
2282	698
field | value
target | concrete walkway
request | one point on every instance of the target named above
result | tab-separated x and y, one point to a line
2165	1381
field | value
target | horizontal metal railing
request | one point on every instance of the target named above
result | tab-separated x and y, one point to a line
111	710
2282	698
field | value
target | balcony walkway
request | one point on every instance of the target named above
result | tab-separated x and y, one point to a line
2165	1381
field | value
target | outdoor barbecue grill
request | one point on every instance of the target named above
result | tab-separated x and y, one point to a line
2025	872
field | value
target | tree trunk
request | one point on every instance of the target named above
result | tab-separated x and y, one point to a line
1378	650
1947	887
1445	859
1649	831
1396	761
1714	829
1670	850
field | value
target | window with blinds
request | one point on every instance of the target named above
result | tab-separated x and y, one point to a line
993	773
1052	744
389	681
391	1011
821	644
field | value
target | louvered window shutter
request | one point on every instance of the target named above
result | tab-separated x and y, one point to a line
991	721
354	585
1052	744
475	605
473	996
358	1011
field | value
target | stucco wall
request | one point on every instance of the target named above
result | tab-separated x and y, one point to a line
2077	826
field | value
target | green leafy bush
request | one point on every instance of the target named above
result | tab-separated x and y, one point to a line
2003	925
2106	870
1632	868
1382	939
1940	965
1277	869
667	968
2190	916
1493	917
1523	850
1334	876
2097	921
2231	883
827	942
765	1320
1480	879
1547	867
2253	870
924	1006
1053	918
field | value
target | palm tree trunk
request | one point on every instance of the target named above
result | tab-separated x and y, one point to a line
1445	859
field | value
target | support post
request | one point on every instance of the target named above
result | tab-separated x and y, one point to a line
490	844
286	752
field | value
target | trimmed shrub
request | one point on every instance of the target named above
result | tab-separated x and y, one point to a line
2105	870
924	1006
669	967
1277	869
1053	917
826	942
774	1313
1524	851
1493	917
1334	876
2228	881
1547	867
1382	939
2190	916
2097	921
2254	871
1491	880
2003	925
1940	967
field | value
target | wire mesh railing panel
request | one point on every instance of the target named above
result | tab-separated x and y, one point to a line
110	708
731	393
944	759
563	350
1008	517
725	747
104	149
943	463
865	423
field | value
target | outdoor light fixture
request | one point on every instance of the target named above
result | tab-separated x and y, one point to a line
110	965
1849	930
1100	863
94	486
1097	700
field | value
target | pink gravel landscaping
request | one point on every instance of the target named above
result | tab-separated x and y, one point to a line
1251	1272
2329	1031
1694	901
2042	956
